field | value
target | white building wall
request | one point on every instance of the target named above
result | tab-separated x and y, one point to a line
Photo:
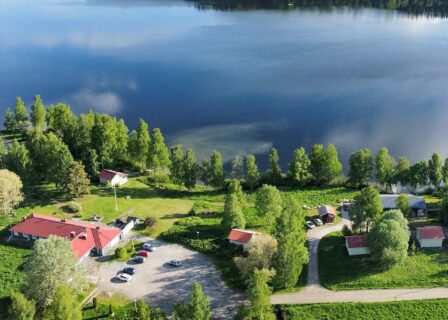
358	251
431	243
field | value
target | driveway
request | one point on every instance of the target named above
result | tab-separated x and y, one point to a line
315	293
162	285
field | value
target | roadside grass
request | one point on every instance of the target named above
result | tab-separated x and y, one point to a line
338	271
403	310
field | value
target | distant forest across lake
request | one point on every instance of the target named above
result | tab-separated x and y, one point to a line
437	8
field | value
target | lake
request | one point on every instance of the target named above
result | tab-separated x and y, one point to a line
237	79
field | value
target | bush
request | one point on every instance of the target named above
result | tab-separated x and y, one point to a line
120	252
150	222
346	230
72	207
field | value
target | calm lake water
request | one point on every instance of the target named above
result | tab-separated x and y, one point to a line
239	81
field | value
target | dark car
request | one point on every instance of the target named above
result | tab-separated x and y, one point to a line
130	271
139	259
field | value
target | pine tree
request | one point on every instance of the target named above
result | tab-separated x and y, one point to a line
38	113
77	181
232	215
190	168
252	173
158	156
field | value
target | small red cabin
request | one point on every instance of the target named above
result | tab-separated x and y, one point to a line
327	213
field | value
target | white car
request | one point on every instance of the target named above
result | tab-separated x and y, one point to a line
310	225
175	263
318	222
124	277
149	246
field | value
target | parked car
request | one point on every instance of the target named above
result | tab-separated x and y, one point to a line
130	271
149	246
175	263
310	225
139	259
318	222
143	253
124	277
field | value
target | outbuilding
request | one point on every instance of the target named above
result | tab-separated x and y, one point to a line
357	245
418	204
242	237
430	237
115	178
327	213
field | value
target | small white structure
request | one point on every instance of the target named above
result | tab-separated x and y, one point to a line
430	237
357	245
242	237
113	177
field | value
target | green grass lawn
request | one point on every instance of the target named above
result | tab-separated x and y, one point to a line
12	275
338	271
145	202
403	310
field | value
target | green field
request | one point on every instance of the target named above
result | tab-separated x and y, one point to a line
144	202
403	310
12	275
338	271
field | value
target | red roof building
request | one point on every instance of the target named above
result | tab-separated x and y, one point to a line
430	237
357	245
83	236
327	213
242	237
113	177
431	232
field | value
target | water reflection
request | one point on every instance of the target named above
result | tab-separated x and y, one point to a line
238	80
414	7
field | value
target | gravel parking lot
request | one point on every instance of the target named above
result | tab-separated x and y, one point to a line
161	284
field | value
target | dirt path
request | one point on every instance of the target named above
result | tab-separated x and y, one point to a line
315	293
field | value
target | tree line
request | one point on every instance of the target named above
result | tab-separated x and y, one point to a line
58	146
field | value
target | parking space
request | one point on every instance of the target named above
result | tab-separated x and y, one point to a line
161	284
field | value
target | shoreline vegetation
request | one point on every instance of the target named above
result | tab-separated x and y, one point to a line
57	156
413	8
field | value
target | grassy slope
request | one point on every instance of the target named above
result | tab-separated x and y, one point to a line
144	202
338	271
428	310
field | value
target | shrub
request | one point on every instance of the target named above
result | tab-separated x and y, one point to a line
72	207
120	252
346	230
150	222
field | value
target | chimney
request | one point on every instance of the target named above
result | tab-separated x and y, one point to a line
62	220
72	234
83	236
97	227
